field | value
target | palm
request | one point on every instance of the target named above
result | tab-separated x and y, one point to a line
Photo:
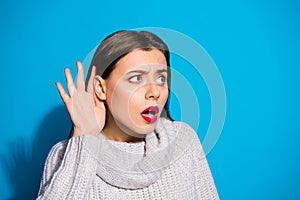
87	112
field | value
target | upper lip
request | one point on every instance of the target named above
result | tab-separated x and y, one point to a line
151	109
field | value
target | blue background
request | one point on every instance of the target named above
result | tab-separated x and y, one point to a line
255	45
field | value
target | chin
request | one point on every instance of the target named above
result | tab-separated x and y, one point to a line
138	131
146	130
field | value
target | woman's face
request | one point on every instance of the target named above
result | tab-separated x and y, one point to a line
137	90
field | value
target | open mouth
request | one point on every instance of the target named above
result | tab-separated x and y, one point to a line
150	114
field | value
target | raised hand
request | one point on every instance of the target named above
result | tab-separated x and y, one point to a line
87	112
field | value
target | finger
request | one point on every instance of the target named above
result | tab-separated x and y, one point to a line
70	83
80	76
90	87
64	96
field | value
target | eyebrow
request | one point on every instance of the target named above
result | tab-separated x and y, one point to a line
161	71
146	72
137	71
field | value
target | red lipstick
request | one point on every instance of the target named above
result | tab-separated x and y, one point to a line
150	114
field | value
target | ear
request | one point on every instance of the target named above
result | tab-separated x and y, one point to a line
100	87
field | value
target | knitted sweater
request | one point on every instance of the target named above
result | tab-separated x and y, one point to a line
169	164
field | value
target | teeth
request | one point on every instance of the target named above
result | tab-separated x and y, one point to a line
152	112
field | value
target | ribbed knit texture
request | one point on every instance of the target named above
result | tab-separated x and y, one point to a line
170	164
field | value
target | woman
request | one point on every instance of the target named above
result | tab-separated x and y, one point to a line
124	144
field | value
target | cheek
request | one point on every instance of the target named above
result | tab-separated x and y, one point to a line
119	101
122	101
136	102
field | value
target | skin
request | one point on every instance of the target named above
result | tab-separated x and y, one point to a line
128	93
139	80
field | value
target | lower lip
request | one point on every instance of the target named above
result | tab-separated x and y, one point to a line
150	119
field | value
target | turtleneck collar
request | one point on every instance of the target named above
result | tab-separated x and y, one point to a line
137	165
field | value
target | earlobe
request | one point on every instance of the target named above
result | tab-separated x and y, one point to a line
100	87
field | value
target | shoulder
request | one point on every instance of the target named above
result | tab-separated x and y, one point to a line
182	133
177	125
181	128
186	132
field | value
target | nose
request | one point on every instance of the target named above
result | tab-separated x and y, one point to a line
152	92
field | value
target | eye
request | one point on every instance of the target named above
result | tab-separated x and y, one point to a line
135	78
161	80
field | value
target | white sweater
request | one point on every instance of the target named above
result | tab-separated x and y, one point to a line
169	164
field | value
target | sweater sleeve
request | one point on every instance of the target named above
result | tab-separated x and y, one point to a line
70	168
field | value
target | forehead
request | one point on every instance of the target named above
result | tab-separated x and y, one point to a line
140	58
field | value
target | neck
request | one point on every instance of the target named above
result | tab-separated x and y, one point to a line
112	131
